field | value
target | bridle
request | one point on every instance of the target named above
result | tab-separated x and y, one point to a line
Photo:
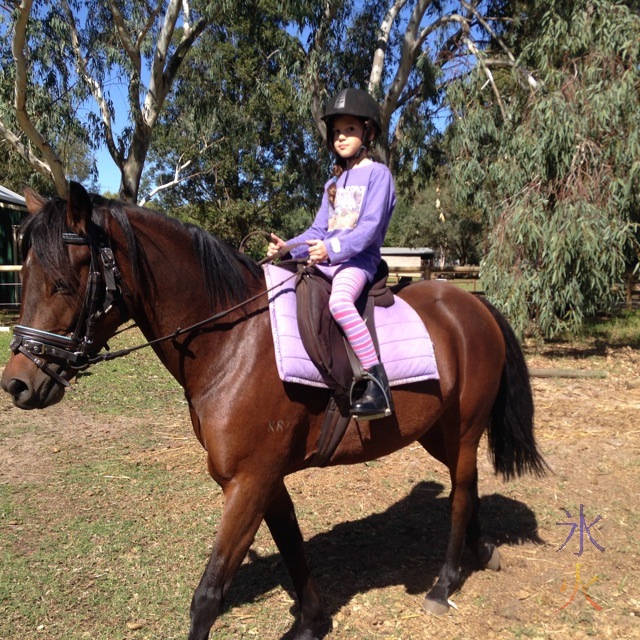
77	351
105	288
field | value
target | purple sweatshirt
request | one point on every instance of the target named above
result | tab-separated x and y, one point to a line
354	229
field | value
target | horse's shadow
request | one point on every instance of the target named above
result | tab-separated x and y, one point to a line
404	545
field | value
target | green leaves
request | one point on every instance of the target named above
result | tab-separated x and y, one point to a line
558	187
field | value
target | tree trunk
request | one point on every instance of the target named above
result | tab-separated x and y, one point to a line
134	164
629	278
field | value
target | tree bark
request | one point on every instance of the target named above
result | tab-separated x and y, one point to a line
51	167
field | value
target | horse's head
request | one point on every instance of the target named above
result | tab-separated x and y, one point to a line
67	298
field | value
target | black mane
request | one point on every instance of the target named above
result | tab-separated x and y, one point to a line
224	269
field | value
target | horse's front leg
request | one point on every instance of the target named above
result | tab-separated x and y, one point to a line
245	504
283	525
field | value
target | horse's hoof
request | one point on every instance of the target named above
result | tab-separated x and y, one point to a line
310	631
435	607
494	561
307	634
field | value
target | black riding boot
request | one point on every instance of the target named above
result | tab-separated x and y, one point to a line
375	401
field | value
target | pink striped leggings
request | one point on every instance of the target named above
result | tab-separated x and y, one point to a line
348	284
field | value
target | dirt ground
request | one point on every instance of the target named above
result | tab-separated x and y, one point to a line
376	533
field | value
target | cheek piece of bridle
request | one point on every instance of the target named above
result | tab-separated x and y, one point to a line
77	351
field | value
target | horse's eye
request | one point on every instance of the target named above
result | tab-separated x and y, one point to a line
60	286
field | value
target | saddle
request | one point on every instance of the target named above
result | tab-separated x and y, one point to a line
322	337
328	348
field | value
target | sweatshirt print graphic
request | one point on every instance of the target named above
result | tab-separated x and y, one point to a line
346	212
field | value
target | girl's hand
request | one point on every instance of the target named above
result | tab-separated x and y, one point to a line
275	246
317	251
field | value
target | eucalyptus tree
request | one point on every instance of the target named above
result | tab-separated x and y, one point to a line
233	150
240	143
554	164
70	61
405	53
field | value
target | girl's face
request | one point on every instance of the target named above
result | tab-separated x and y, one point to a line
348	134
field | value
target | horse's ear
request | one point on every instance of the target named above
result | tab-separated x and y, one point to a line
79	208
35	202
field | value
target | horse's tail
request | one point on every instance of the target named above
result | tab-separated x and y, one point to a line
512	443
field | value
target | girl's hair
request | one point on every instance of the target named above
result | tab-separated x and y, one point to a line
340	165
338	170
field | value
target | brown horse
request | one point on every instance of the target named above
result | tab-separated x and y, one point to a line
90	264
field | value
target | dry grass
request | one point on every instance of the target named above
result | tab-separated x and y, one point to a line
107	522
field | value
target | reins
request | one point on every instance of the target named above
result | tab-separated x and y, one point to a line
112	355
267	236
104	290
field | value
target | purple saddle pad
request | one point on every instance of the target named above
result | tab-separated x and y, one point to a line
406	349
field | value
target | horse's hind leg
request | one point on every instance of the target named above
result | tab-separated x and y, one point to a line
487	553
460	456
283	525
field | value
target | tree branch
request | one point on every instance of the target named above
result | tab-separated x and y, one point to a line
24	151
186	12
177	178
172	183
162	45
411	48
163	71
143	32
533	83
474	50
52	168
133	52
407	57
95	88
189	37
377	65
121	27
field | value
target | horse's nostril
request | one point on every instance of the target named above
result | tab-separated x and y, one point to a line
15	387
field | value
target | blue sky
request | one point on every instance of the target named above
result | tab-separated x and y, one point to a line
108	173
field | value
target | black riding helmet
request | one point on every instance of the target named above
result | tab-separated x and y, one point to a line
352	102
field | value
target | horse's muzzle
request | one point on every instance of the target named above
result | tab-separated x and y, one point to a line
29	387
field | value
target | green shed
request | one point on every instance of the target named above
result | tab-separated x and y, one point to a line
12	212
